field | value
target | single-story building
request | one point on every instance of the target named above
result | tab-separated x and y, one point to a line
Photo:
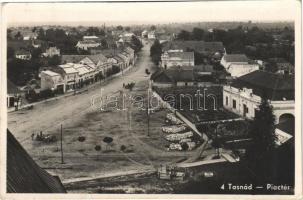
244	95
238	64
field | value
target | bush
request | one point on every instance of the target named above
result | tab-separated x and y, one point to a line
107	140
44	94
97	147
81	138
123	148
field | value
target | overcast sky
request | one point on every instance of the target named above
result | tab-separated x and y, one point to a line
130	13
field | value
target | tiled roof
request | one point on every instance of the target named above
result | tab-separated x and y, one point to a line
272	86
182	55
199	46
88	42
24	175
173	75
203	68
68	69
235	58
97	57
72	58
50	73
77	58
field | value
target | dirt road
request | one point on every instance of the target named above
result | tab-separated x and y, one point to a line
49	115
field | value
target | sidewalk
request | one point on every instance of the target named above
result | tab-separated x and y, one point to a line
71	93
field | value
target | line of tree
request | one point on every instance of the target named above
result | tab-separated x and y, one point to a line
244	40
58	37
136	44
156	51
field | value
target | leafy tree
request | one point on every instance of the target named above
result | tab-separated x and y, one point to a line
184	35
36	53
127	28
55	60
123	148
9	34
271	67
197	34
184	146
119	28
10	52
97	147
136	43
108	140
18	35
155	52
41	34
262	131
104	43
153	27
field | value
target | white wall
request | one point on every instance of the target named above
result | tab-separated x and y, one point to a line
237	70
252	102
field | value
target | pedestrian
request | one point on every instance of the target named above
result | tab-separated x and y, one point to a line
123	85
33	135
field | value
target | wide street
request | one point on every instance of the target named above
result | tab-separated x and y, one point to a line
79	118
51	114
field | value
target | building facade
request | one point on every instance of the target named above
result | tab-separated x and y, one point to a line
238	64
244	95
169	59
52	80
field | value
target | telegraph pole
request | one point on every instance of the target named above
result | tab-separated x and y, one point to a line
62	162
148	112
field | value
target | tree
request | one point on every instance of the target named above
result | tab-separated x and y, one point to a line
184	146
155	52
271	67
127	28
55	60
153	27
136	44
18	35
184	35
41	34
104	43
108	140
262	131
119	28
9	34
10	52
197	34
36	53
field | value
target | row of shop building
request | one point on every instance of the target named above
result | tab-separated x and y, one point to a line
78	70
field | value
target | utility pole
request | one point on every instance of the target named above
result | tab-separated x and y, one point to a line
74	84
148	112
62	162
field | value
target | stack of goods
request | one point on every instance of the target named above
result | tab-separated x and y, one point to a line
173	129
173	119
175	146
179	136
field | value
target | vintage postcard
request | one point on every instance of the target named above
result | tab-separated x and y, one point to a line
197	99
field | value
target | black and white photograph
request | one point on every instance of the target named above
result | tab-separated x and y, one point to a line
153	98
